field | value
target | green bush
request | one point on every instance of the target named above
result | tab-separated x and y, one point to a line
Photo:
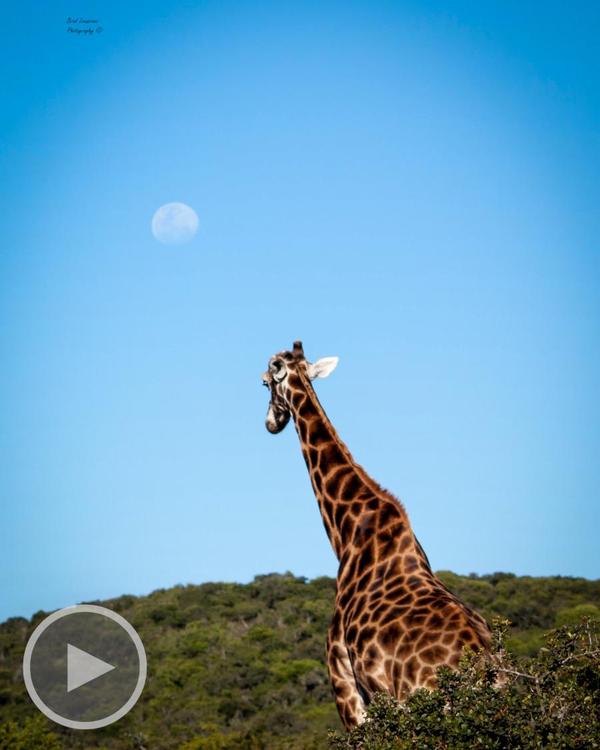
550	701
32	734
573	615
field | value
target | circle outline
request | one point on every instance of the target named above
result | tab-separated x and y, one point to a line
131	632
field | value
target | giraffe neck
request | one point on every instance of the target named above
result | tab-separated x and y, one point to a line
349	500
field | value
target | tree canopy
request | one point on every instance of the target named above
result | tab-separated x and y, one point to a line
243	666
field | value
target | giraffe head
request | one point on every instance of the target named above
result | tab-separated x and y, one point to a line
277	380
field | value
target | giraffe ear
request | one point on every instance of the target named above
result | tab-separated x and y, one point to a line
322	367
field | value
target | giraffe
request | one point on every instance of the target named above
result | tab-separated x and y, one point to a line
394	621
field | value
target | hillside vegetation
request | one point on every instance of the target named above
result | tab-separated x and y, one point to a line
242	666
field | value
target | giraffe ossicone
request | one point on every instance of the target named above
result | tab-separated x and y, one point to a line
394	622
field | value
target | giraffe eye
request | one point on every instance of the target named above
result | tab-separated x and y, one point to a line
279	372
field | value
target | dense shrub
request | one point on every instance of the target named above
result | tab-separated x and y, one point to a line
32	734
550	701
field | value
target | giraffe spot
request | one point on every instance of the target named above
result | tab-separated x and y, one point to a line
394	567
389	636
366	557
403	650
356	508
412	618
373	652
364	636
405	542
413	582
297	398
435	621
352	634
364	529
347	526
332	484
347	596
387	513
302	429
410	564
351	486
466	635
308	410
319	435
434	654
410	669
448	638
314	456
387	543
330	456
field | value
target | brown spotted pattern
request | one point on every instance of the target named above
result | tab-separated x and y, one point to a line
394	622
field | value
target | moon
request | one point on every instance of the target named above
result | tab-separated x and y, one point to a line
174	223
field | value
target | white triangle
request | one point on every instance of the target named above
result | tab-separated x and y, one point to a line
83	667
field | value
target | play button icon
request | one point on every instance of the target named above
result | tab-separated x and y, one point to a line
84	667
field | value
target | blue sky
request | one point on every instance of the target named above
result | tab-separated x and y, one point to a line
410	188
